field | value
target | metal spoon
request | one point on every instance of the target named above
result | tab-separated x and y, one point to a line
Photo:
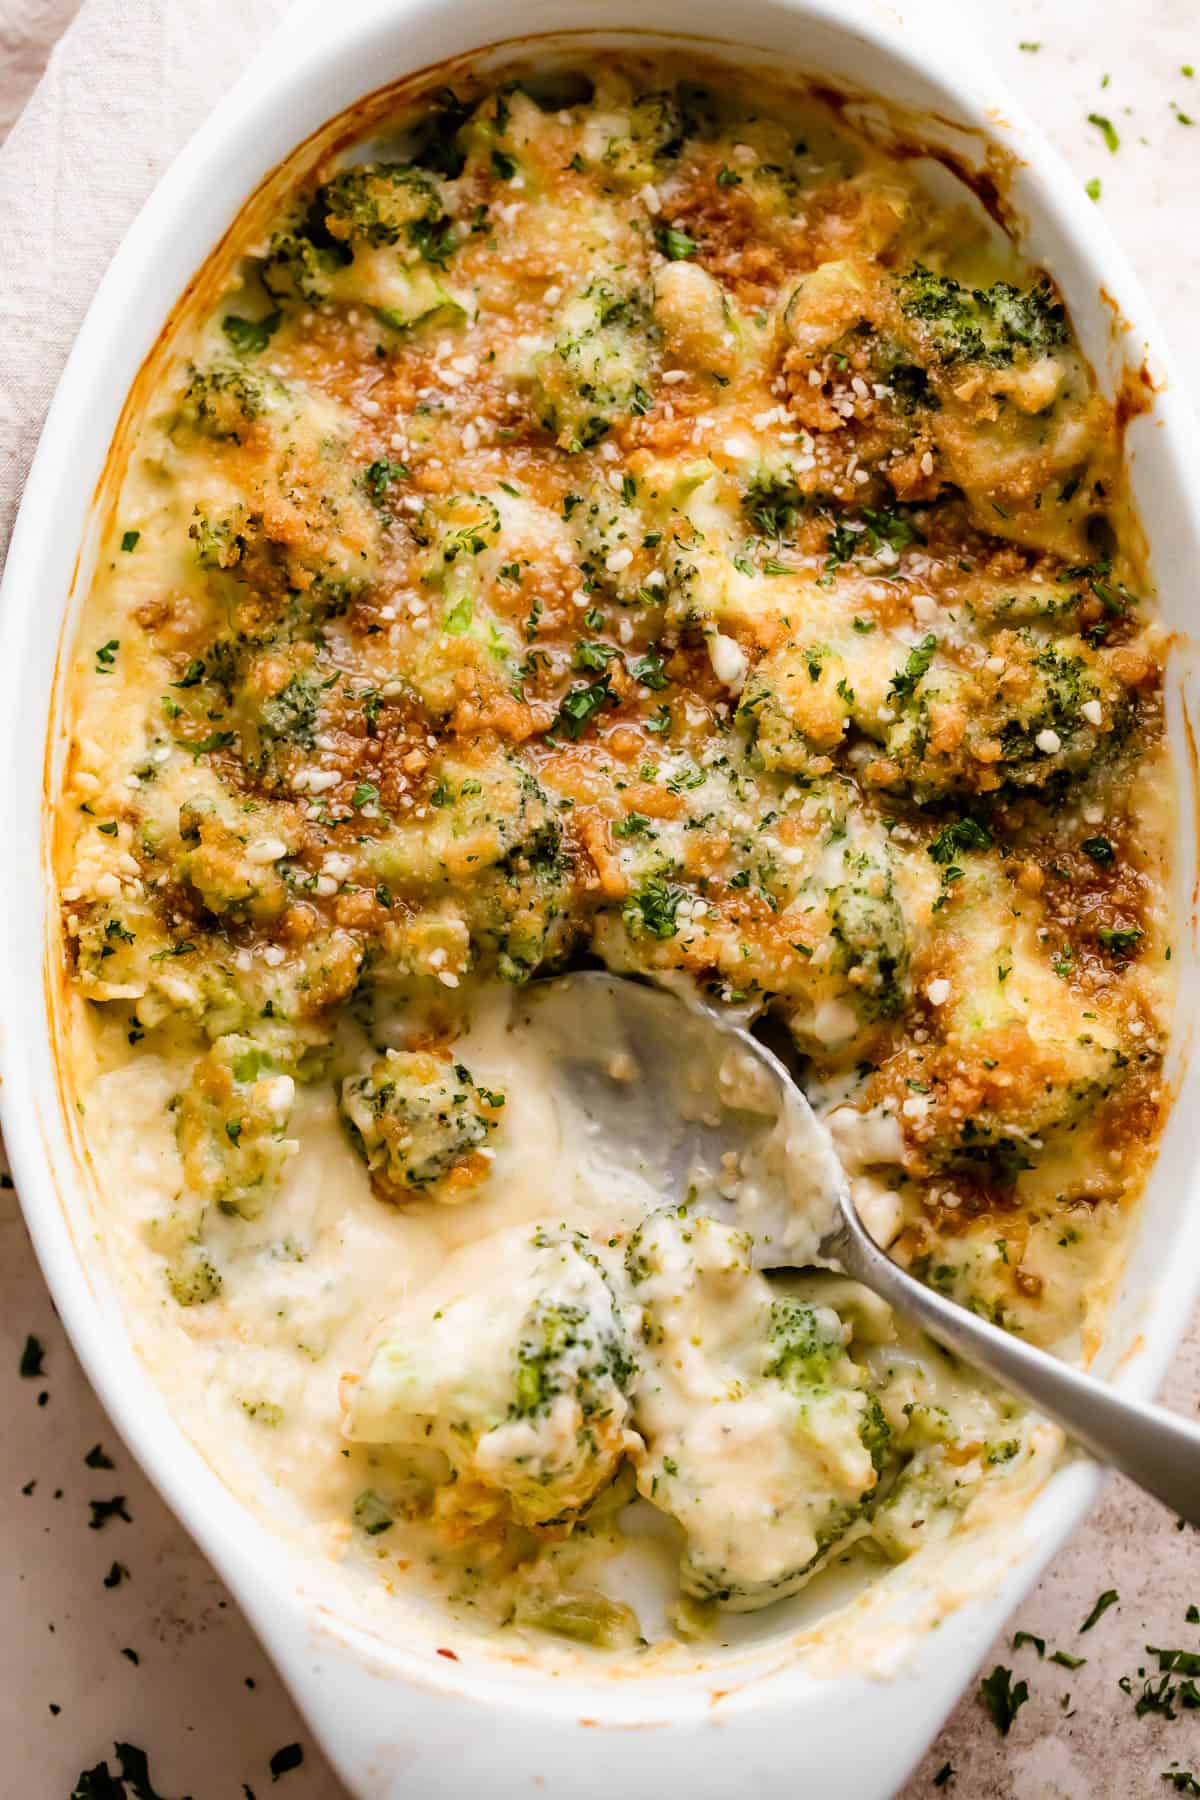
703	1108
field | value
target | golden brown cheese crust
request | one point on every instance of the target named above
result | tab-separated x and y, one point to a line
648	526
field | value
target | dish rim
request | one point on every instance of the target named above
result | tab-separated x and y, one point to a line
156	246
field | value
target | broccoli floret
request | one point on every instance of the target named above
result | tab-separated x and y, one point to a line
215	862
869	931
656	131
524	916
763	1438
374	206
193	1278
420	1123
515	1364
1034	713
493	839
560	1351
219	538
291	716
996	325
230	1124
381	203
597	369
296	268
805	1343
224	400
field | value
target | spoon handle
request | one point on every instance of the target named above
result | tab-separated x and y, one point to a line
1154	1448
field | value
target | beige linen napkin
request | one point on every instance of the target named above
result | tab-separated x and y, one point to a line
126	85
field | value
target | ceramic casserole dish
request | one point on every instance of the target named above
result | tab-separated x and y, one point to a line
837	1706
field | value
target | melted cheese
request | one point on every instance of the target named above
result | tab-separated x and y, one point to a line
649	528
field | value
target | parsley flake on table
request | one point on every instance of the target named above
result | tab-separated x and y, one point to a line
104	1510
1108	1598
1002	1699
290	1757
131	1782
1175	1662
1107	130
33	1358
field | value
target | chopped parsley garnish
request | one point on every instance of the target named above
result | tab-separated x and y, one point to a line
580	706
649	670
216	740
595	657
98	1458
106	656
1099	849
1002	1700
674	244
962	834
130	540
651	910
378	477
1120	942
33	1358
907	679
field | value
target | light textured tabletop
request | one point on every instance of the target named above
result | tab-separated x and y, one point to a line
124	1632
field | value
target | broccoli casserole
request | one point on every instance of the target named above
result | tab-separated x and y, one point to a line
631	518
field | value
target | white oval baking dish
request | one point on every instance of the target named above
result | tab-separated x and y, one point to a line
848	1719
